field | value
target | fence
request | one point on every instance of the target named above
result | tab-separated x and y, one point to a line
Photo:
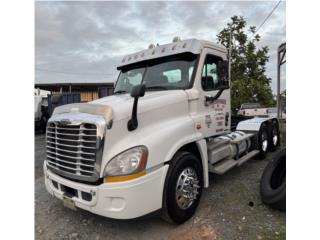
88	96
58	99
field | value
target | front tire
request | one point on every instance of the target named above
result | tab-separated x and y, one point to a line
183	188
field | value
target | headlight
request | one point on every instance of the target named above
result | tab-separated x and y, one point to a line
131	161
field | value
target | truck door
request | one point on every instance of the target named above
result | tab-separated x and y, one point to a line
213	115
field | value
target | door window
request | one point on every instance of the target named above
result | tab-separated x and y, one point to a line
209	78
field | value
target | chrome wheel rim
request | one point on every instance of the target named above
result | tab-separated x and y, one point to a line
275	137
264	141
187	188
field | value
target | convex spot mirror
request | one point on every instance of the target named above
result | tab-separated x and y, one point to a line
223	74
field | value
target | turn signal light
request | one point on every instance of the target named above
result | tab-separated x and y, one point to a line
124	178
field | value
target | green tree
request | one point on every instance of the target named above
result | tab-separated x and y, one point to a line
249	82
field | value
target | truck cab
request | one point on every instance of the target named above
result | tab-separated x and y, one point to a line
152	144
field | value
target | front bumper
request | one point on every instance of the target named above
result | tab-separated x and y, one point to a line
122	200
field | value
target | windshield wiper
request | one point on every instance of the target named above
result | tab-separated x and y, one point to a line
156	88
164	88
120	92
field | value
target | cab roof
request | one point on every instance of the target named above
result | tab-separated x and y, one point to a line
194	46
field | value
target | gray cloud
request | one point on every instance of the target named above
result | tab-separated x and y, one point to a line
84	41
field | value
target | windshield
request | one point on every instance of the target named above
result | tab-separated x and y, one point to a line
166	74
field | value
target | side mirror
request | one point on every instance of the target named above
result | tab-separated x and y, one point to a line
223	74
136	92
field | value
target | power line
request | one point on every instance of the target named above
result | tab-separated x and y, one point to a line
264	21
73	73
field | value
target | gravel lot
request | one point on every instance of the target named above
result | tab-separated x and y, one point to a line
230	209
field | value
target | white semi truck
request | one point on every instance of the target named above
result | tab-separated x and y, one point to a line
152	145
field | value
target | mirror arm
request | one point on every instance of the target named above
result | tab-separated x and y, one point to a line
136	92
212	99
133	122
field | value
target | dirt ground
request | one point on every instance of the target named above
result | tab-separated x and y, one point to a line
230	208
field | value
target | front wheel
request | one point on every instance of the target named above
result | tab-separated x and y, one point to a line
183	188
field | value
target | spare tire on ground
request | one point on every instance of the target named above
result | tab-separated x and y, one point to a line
273	182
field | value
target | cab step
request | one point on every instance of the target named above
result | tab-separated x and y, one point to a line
247	157
225	165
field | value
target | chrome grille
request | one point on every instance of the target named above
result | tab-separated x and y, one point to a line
72	149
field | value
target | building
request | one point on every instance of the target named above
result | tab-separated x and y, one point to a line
88	91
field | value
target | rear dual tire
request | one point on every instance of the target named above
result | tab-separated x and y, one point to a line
261	142
268	139
274	136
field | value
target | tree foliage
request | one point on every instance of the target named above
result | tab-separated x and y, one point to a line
249	82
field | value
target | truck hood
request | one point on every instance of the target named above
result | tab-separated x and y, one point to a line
122	104
118	107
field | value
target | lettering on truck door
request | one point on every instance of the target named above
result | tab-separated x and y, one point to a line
215	114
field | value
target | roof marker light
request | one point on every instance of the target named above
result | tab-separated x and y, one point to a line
176	39
151	46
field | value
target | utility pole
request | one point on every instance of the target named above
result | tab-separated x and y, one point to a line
281	60
230	50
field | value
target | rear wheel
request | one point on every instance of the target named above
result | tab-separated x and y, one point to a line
183	188
261	142
274	136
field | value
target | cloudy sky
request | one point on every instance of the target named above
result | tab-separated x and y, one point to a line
84	41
